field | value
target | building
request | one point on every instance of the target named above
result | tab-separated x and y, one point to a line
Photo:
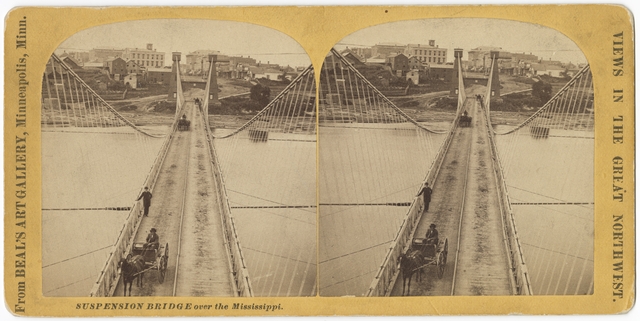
131	80
399	63
260	72
72	63
383	50
431	53
416	63
134	68
442	72
145	57
480	58
117	67
361	52
160	76
550	70
199	59
102	54
354	59
79	57
414	76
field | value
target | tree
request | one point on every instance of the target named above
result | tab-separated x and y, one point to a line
260	94
542	91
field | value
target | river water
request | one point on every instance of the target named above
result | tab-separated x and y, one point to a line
93	169
557	239
384	164
87	168
279	244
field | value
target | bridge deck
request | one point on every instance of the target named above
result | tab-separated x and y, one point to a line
482	267
203	268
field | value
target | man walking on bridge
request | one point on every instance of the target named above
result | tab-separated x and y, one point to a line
146	200
426	192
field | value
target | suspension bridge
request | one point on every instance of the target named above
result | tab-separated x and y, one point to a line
237	206
248	232
515	203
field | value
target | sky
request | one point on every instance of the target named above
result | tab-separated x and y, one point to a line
187	35
469	33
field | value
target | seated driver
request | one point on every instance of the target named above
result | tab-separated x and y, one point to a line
153	240
184	116
432	235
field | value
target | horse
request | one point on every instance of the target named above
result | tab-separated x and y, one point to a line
410	262
131	268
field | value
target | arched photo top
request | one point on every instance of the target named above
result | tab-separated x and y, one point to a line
258	44
438	38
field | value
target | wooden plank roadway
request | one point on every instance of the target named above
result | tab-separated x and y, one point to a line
482	266
203	268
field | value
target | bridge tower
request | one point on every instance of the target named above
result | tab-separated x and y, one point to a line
173	89
495	80
457	54
213	85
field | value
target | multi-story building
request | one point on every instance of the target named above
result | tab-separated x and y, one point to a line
416	64
117	67
144	57
431	53
399	63
134	68
480	58
199	59
160	76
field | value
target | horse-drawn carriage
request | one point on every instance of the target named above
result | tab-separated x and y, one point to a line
142	259
433	254
422	254
464	121
183	124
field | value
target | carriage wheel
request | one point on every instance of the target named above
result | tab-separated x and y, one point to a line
163	262
445	251
162	268
440	262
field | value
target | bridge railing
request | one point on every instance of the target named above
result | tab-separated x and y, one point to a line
238	267
109	276
521	284
388	272
239	272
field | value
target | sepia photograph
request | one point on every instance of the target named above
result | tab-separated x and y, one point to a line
414	160
456	158
178	159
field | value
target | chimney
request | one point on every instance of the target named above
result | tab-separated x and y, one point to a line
149	46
